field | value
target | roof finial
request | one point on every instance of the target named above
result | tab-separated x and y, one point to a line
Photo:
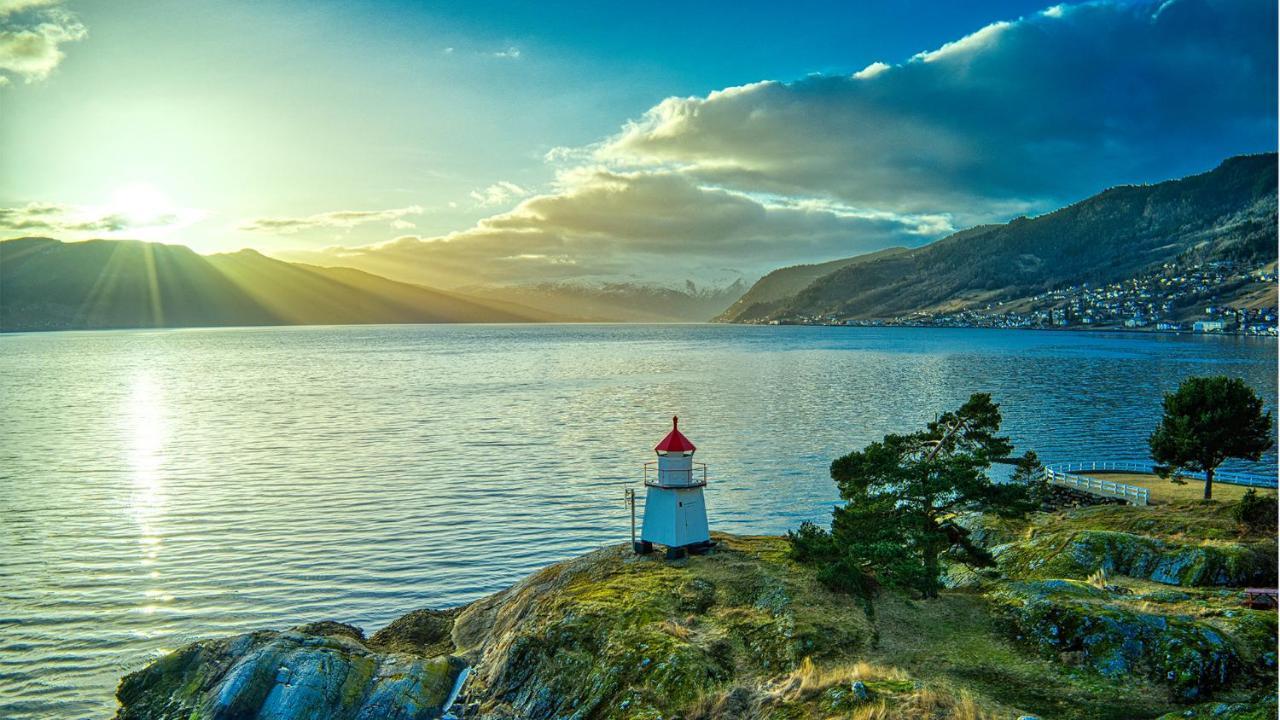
675	422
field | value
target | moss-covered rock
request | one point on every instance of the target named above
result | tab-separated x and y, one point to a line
1077	554
319	670
614	635
424	632
1263	708
745	633
1078	623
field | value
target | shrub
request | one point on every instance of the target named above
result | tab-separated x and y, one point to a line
1255	512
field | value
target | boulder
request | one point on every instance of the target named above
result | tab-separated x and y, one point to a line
319	670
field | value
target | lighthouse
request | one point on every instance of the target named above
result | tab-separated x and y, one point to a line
674	512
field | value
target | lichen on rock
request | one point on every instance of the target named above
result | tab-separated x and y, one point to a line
319	670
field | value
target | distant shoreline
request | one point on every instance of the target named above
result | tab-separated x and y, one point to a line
1108	330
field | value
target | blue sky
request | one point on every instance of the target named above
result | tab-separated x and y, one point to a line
452	143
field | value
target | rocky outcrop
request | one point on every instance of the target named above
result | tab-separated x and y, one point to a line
746	633
1263	708
609	634
612	634
323	670
1081	624
1195	563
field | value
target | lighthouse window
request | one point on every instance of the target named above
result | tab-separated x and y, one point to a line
680	504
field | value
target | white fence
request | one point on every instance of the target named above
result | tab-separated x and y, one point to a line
1225	477
1133	494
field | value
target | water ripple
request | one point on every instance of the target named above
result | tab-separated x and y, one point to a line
157	487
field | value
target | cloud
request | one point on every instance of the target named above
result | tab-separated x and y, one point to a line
334	219
509	53
95	221
31	35
1018	116
498	193
651	224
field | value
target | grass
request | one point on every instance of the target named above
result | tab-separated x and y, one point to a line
1180	520
747	633
1167	491
954	642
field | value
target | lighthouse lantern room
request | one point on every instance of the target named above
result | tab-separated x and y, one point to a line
674	512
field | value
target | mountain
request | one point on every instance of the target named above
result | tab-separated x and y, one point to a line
617	302
1228	213
46	284
772	289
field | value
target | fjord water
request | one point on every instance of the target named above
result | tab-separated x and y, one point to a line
162	486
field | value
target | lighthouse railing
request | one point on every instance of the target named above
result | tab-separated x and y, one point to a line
695	476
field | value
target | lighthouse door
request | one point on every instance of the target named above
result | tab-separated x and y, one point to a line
691	524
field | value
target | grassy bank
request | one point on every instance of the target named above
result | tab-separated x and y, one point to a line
1170	491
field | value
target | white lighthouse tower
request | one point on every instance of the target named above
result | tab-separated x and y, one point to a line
674	512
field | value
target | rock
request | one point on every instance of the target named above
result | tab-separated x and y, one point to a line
1065	619
1262	708
580	638
1080	553
319	670
745	633
427	632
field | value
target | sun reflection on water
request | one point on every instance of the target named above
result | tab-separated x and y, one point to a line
146	430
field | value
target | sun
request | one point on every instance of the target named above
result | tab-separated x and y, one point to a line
141	204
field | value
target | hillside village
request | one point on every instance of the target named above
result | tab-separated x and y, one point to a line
1220	297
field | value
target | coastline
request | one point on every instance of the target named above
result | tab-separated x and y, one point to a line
745	632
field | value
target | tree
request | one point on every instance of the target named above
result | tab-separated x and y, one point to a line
901	495
1206	421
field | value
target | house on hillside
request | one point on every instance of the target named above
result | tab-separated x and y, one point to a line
1208	326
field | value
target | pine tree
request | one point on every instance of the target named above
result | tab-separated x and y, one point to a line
901	496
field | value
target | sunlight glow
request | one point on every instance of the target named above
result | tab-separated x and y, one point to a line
141	204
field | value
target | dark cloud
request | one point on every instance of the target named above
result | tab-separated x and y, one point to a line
1018	116
647	224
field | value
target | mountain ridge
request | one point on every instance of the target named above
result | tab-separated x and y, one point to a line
48	284
1225	213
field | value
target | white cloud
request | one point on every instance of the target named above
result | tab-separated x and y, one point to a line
333	219
1017	117
972	43
84	221
871	70
31	35
498	193
1031	113
510	53
601	223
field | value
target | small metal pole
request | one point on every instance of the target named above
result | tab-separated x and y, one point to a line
631	500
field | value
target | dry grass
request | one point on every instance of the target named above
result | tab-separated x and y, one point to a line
898	697
676	629
809	679
1099	579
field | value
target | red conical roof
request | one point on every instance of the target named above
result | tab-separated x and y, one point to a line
675	441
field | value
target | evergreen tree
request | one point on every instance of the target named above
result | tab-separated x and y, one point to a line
901	495
1206	421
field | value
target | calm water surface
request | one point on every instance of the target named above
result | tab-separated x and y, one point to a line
157	487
